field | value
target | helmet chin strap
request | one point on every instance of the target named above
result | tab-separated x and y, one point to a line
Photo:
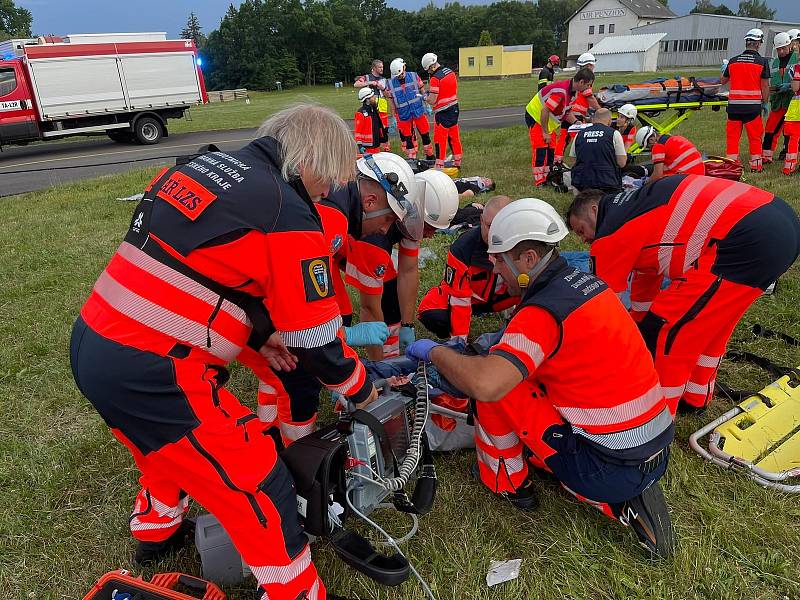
375	213
524	279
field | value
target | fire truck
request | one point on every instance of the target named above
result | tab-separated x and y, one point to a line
126	85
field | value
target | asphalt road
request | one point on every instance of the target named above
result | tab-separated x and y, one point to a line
40	166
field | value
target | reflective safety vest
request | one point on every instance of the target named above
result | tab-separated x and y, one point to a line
746	71
678	155
613	398
383	104
444	83
557	97
596	161
793	112
407	97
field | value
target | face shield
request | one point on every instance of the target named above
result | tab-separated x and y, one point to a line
409	206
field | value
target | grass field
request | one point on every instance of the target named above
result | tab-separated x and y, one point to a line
472	94
66	486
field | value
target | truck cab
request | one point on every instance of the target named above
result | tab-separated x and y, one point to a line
18	120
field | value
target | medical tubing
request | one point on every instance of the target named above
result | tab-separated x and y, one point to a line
390	542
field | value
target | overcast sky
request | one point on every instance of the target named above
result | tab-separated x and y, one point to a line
105	16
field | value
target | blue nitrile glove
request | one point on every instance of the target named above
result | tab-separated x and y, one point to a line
421	350
369	333
392	125
407	336
785	87
428	108
765	108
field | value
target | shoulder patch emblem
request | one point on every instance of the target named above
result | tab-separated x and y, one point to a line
186	195
316	278
449	275
336	243
380	270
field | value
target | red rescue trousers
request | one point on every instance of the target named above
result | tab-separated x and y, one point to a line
446	130
564	138
792	129
689	326
541	152
406	129
772	131
527	418
755	130
191	437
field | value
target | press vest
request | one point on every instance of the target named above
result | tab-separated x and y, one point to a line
600	377
596	160
407	97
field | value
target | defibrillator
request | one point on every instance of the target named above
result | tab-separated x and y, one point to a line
347	470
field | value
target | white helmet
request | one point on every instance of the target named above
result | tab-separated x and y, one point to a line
793	34
643	136
405	194
781	40
754	35
628	110
587	58
397	66
429	59
526	219
441	198
365	92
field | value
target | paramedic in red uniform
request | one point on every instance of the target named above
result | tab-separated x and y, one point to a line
721	243
443	97
544	115
359	209
579	108
181	298
671	154
598	422
368	129
469	284
749	75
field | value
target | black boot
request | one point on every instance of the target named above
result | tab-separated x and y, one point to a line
148	553
647	514
524	497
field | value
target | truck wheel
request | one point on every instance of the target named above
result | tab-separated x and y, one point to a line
148	130
122	137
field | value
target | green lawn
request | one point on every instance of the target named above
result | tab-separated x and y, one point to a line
66	486
472	94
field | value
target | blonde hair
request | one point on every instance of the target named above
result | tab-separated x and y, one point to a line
312	137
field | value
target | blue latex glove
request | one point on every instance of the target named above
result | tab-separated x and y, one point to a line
421	350
407	336
392	125
428	108
765	108
785	87
369	333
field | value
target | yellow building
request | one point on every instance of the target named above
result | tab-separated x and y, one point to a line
495	61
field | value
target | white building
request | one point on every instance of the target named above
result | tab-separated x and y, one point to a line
635	53
598	19
706	40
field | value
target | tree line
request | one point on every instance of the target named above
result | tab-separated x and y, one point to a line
321	41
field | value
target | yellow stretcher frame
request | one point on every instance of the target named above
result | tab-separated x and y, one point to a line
647	114
759	437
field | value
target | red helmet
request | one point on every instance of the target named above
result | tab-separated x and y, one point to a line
554	59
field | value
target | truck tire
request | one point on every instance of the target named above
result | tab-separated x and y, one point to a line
122	137
148	131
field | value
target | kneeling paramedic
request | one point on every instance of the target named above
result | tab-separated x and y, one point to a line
599	153
720	242
671	154
600	425
626	124
469	283
181	298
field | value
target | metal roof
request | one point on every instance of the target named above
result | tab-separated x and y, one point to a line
518	48
727	17
641	8
648	8
622	44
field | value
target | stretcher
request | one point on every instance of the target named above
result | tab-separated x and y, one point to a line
666	116
759	437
